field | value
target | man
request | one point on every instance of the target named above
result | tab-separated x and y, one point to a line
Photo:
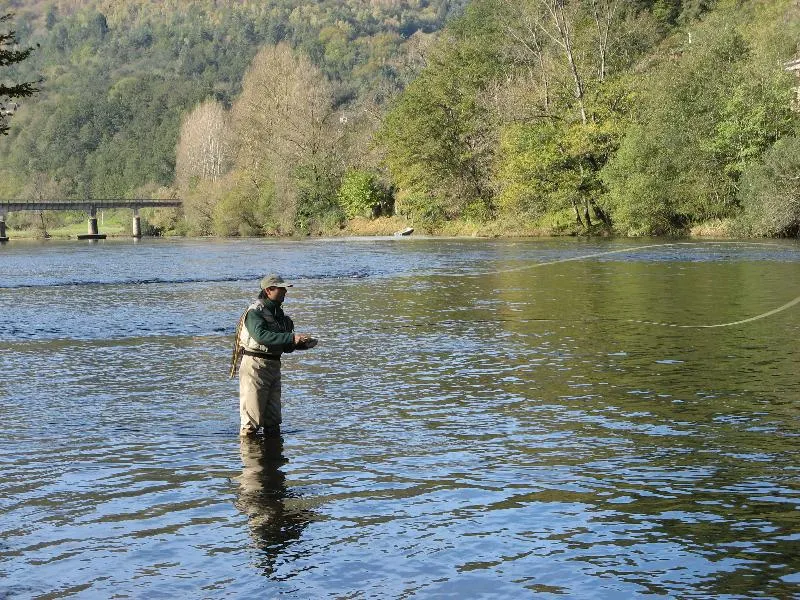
264	333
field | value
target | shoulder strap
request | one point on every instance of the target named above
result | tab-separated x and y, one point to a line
259	306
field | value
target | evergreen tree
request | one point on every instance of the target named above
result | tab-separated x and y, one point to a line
9	55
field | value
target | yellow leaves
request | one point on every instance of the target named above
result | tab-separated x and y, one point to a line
284	107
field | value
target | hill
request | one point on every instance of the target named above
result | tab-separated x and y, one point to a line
119	76
638	117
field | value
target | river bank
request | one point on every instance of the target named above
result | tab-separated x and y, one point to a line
385	226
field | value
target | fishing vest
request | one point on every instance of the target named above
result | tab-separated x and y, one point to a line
280	324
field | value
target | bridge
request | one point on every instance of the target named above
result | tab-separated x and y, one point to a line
89	206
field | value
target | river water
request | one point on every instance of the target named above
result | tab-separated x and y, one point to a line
482	418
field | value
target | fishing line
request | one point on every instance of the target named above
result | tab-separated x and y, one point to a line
769	313
606	253
764	315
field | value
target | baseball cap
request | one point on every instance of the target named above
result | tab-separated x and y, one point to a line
274	280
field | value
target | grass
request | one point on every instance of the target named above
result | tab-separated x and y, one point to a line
719	228
110	227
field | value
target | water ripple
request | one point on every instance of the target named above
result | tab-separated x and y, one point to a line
496	436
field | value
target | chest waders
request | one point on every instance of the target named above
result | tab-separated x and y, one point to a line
284	325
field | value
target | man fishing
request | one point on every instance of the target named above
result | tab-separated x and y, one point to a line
263	334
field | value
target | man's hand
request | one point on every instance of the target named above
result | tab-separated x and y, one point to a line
303	341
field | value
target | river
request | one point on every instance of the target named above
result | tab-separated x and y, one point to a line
481	419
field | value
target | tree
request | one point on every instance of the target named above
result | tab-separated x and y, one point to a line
440	136
553	166
10	55
203	148
559	23
562	112
288	133
770	192
362	195
706	115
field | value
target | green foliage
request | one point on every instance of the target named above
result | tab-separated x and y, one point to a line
242	210
755	112
120	76
770	192
529	170
317	206
653	116
506	114
421	208
10	55
362	195
550	166
645	184
703	119
163	221
439	138
678	12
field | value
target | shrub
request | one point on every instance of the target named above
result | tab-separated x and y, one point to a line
770	192
362	195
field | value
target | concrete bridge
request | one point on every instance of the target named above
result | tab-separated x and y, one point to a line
89	206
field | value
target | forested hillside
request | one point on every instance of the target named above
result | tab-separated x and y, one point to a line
120	76
641	117
627	116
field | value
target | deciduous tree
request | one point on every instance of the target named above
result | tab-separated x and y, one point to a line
288	131
770	192
204	151
704	117
440	136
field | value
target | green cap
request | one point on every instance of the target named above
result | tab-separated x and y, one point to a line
273	280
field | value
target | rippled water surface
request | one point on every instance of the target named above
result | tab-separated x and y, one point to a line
481	419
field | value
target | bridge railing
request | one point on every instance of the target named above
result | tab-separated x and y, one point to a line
7	206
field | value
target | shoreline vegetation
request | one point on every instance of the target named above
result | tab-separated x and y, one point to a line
388	226
492	118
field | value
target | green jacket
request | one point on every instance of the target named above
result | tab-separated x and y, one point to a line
276	332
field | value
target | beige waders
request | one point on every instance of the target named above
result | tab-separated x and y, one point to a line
260	395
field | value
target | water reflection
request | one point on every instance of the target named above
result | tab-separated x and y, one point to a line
491	436
276	522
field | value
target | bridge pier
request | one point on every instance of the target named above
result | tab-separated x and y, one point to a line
90	205
94	233
137	224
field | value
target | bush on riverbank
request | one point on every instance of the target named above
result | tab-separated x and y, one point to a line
770	192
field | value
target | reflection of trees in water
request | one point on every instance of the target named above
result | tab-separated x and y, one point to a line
274	523
712	534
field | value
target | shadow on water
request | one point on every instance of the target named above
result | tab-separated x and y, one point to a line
275	522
